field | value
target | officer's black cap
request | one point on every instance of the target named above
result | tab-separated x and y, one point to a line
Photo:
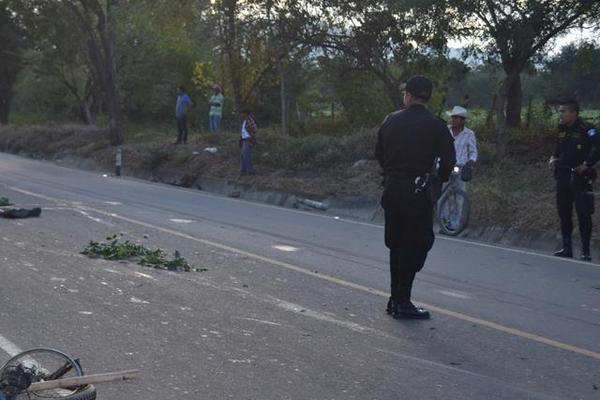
419	86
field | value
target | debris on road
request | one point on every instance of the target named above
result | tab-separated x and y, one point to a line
211	150
113	249
49	373
14	213
319	205
360	163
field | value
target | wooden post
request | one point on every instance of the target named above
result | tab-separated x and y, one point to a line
83	380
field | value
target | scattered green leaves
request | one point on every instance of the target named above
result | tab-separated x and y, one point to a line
4	202
114	249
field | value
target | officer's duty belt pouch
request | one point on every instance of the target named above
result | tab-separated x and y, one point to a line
433	188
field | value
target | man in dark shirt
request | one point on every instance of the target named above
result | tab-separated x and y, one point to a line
577	150
409	144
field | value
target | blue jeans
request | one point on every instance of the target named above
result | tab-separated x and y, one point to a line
246	167
214	123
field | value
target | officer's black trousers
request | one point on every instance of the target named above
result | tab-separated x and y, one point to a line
578	192
408	234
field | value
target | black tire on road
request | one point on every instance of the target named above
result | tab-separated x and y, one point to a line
464	220
87	393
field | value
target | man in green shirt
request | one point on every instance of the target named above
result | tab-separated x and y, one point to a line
216	110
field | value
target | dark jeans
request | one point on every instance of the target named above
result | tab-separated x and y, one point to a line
576	191
246	167
182	130
408	234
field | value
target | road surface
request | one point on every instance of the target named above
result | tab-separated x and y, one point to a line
292	304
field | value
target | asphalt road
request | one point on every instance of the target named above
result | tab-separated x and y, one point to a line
292	304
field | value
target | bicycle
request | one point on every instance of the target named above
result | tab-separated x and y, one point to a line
453	207
45	373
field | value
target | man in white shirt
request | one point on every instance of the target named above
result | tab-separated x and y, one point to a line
465	145
465	142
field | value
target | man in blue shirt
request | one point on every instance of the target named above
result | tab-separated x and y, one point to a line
181	108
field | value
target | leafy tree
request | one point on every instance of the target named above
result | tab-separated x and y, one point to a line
574	73
515	32
12	44
385	39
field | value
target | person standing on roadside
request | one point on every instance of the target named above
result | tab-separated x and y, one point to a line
181	109
409	144
247	142
216	109
577	151
465	146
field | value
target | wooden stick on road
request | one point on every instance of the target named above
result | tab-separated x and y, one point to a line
84	380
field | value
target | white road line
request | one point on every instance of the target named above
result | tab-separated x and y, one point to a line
181	221
9	347
285	248
142	275
260	321
454	294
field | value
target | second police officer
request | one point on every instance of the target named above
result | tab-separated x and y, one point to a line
577	150
408	145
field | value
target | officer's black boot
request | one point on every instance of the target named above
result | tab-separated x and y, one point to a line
585	229
567	250
390	306
585	252
404	308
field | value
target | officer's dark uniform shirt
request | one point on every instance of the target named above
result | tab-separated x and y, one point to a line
409	142
577	143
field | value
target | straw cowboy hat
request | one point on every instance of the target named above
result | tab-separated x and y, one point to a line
459	111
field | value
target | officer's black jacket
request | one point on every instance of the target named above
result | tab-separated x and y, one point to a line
577	143
410	141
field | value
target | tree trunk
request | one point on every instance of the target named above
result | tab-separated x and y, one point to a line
112	90
489	120
4	110
514	99
86	113
231	51
283	95
394	94
529	111
501	124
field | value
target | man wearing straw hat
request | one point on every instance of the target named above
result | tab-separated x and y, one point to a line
465	145
465	142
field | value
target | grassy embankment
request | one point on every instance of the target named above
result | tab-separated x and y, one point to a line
517	191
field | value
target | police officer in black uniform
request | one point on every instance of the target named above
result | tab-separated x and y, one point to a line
409	143
577	150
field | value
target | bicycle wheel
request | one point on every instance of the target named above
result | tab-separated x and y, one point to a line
453	212
39	365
